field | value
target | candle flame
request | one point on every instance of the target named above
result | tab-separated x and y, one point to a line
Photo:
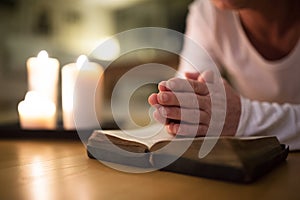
82	60
43	55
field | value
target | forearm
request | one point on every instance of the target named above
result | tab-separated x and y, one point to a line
262	118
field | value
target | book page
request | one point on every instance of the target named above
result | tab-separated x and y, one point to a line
148	135
152	134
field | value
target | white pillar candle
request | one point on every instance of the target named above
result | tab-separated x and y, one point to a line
43	75
37	112
81	94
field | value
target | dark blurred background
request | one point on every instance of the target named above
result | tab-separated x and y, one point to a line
68	28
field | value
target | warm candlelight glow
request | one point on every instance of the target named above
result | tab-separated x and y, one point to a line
43	74
80	82
81	61
35	105
37	112
108	49
43	55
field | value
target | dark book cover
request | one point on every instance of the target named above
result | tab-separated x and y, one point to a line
234	159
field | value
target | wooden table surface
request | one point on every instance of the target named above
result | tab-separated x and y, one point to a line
42	169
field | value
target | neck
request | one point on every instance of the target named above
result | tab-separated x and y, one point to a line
270	16
272	27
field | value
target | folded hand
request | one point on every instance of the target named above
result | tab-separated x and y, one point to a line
184	105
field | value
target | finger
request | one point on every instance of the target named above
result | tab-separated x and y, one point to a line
162	86
159	118
192	75
187	85
152	99
186	100
207	76
192	116
188	130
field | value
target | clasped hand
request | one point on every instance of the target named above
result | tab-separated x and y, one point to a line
184	105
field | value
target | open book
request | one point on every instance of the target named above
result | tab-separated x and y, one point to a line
231	158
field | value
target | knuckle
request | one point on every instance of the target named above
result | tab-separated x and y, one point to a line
195	116
202	130
192	101
207	104
205	117
196	87
174	113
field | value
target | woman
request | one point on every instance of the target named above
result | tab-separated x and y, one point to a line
256	45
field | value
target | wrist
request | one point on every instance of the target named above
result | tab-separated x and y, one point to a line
245	107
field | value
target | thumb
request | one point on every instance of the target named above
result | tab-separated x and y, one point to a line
207	76
192	75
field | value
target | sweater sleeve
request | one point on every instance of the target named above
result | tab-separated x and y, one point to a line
200	48
263	118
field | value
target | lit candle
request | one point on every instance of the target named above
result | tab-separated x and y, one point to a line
81	94
43	75
37	112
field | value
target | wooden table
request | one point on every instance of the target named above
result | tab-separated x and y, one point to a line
42	169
